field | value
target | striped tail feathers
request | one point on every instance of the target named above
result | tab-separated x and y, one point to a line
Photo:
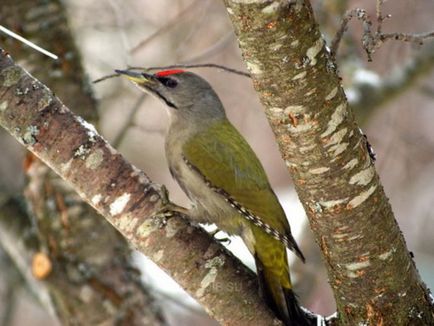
281	299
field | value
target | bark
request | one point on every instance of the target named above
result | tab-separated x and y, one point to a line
92	280
81	275
45	23
127	198
371	272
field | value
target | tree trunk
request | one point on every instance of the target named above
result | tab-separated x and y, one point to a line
371	272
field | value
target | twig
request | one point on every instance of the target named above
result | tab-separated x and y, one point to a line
372	41
104	78
344	27
416	38
380	18
27	42
200	65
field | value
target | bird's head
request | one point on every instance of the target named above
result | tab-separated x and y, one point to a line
184	93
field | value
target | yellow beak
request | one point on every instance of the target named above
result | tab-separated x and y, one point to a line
135	76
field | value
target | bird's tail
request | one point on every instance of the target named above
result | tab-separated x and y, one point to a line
276	289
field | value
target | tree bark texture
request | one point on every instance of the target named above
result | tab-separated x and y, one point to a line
92	279
127	198
80	263
45	23
371	272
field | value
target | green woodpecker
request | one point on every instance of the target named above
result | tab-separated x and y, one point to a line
225	181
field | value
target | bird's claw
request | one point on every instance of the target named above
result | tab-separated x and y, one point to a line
168	209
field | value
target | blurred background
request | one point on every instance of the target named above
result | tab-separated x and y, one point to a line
392	97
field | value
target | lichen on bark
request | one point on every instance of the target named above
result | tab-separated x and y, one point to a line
370	269
128	199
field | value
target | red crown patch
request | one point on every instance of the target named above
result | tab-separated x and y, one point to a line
168	72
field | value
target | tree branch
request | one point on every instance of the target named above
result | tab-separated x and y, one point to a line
368	263
79	258
72	279
371	41
127	198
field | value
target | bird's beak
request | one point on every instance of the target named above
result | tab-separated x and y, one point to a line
146	82
139	78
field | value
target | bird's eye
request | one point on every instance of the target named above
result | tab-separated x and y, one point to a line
168	82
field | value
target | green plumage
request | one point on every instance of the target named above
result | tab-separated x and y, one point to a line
225	159
225	181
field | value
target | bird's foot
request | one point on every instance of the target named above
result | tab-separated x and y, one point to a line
169	209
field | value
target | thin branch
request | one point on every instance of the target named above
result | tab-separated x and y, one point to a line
359	13
27	42
416	38
199	65
378	10
371	41
96	81
186	66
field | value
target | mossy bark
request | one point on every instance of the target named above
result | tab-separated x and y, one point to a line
371	272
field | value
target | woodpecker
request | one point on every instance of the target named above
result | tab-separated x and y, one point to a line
222	176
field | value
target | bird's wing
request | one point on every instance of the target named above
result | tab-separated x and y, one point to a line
225	160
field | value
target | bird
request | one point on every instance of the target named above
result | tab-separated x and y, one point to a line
225	181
